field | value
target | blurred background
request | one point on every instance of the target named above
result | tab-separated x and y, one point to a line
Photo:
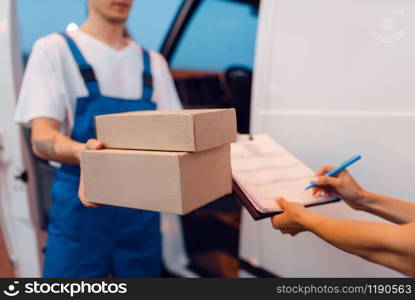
210	47
325	78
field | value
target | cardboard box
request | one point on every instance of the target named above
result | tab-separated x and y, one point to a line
170	182
185	130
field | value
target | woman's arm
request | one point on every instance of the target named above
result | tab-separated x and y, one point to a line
391	209
394	210
386	244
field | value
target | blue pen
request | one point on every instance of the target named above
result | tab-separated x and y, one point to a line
339	169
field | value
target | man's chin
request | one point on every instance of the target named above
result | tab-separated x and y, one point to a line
117	19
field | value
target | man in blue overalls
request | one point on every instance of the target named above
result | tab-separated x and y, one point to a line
71	78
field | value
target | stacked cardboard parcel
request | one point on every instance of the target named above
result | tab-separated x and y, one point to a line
166	161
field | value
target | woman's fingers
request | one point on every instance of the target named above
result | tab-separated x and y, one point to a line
284	222
292	232
316	180
325	169
326	181
282	203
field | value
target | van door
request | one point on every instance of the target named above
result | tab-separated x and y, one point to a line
334	78
17	222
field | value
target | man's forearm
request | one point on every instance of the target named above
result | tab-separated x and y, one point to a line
50	144
381	243
394	210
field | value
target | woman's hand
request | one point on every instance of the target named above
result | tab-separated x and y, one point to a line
342	184
289	222
92	144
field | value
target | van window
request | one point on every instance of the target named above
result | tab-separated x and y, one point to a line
221	34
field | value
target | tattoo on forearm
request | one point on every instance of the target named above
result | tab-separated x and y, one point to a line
46	147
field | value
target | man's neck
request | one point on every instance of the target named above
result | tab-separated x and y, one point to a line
111	34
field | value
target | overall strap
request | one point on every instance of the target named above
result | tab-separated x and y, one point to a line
147	77
85	69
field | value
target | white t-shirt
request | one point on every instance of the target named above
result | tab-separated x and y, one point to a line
52	81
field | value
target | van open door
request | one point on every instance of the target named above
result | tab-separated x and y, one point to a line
18	216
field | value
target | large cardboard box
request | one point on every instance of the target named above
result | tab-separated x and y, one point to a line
184	130
170	182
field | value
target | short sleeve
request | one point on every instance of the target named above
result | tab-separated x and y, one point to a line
165	91
42	92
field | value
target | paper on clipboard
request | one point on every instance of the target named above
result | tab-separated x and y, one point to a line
265	171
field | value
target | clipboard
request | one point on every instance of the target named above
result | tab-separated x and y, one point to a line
239	193
257	215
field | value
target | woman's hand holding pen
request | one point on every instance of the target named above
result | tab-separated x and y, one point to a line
342	184
296	218
386	244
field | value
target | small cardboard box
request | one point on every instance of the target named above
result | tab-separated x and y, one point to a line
184	130
170	182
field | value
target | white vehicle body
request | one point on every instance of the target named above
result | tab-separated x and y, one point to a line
334	79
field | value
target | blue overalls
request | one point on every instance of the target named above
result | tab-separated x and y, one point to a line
108	240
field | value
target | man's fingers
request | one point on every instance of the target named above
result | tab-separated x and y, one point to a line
89	205
94	144
85	202
91	144
82	196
